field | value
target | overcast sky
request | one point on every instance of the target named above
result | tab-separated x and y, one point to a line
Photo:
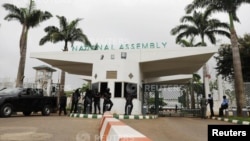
104	22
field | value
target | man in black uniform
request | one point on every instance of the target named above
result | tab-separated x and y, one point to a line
88	102
211	105
75	98
97	97
107	96
63	103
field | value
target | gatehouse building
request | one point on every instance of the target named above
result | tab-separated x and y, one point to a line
128	70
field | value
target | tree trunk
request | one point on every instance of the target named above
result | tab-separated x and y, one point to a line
22	60
61	88
192	95
238	79
62	83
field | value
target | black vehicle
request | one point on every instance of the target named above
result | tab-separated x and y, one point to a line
26	100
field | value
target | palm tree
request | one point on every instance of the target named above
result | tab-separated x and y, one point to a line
68	32
188	43
29	18
230	7
196	87
199	24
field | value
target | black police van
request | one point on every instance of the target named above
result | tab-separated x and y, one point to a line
25	100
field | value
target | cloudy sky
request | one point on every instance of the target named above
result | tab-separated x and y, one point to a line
104	22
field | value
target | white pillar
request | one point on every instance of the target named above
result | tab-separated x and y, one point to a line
220	87
206	78
49	87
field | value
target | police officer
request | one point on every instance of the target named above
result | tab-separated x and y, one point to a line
97	97
211	105
107	100
88	102
63	103
75	98
129	99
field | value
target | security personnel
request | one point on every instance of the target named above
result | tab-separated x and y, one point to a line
107	100
129	99
63	103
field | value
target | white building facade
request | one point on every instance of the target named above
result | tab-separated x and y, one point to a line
126	70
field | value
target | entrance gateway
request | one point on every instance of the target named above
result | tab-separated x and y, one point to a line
128	71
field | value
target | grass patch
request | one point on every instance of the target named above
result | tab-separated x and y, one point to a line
239	118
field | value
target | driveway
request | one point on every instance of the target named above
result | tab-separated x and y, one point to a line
64	128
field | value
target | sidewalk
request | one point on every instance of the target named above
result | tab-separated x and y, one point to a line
99	116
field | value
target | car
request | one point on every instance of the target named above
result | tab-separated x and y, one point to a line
25	100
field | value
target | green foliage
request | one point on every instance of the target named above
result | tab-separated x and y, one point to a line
68	93
84	87
225	61
239	118
199	24
28	17
182	100
67	32
197	85
213	85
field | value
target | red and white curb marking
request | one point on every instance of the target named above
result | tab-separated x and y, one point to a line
112	129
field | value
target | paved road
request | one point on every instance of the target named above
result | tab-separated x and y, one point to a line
174	128
64	128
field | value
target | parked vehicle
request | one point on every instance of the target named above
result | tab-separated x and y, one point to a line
25	100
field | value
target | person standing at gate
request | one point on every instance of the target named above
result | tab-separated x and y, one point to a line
97	97
63	103
107	100
203	104
210	101
75	98
129	99
87	102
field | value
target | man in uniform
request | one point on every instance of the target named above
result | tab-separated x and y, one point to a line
129	99
107	100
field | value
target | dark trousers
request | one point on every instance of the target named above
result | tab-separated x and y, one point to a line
104	105
87	109
211	110
97	106
128	111
74	107
203	112
62	108
221	110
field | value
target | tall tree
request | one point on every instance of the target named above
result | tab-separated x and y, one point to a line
29	17
200	24
68	32
230	7
197	87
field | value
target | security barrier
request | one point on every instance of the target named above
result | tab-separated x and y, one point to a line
112	129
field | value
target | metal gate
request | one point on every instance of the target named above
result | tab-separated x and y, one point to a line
171	99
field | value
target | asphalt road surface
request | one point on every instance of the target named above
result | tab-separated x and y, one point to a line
64	128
